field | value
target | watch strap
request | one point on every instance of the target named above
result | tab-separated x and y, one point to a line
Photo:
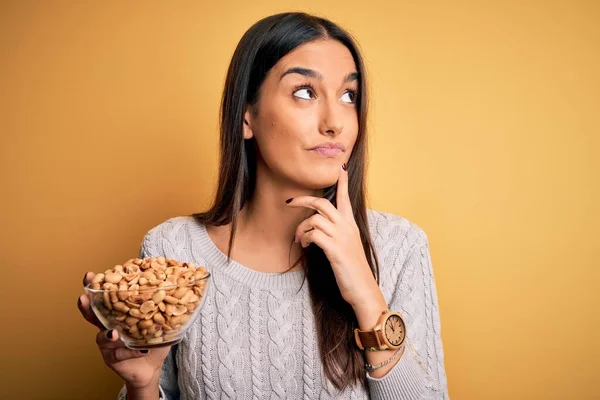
369	340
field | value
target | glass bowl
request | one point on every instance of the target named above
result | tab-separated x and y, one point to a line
150	316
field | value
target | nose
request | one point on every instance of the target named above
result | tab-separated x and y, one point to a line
331	121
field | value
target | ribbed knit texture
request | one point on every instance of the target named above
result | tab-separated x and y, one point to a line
255	337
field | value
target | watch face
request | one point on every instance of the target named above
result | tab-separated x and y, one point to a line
395	330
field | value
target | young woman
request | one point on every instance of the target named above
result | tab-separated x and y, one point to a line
312	295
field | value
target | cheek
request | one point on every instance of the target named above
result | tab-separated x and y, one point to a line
286	131
279	143
353	129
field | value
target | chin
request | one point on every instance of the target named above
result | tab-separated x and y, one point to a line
319	178
318	185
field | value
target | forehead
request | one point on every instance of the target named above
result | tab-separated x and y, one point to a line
329	57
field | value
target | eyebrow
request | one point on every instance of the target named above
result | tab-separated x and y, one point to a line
309	73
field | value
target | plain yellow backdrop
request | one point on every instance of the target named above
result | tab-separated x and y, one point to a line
484	131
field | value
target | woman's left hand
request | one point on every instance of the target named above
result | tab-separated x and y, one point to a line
335	231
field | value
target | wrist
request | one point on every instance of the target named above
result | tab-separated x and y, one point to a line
369	310
150	391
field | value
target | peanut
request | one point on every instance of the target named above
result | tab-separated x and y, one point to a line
113	277
152	329
179	310
135	312
177	320
113	297
132	304
122	307
123	294
170	309
107	302
158	318
187	297
180	292
145	324
190	307
147	307
150	315
146	294
131	321
133	280
159	296
149	275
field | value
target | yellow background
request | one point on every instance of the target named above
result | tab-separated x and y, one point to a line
485	133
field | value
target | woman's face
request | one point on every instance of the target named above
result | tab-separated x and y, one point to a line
306	103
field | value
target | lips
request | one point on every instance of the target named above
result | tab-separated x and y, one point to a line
328	152
330	145
329	149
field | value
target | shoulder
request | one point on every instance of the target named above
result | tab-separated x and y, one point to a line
172	226
172	232
397	242
390	230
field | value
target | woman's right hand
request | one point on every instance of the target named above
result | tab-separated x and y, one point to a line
140	371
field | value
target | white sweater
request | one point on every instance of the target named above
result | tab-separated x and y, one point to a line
255	337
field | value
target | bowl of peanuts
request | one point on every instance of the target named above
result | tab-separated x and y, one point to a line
151	302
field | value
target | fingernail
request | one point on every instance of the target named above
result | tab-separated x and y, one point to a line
144	351
288	201
345	167
84	279
109	334
79	302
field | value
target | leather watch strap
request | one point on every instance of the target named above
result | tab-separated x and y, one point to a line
368	339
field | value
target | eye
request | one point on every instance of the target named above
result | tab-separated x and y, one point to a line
349	97
304	93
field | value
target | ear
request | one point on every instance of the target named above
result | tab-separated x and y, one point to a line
248	133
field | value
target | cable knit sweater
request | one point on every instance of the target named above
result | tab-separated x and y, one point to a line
255	337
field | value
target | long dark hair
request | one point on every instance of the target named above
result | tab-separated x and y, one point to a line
261	47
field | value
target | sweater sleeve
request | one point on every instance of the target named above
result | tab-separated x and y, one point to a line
169	387
420	373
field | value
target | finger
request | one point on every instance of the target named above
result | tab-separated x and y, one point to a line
108	339
88	277
113	349
317	221
317	237
321	205
83	303
342	197
123	353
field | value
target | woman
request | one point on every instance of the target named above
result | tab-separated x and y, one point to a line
295	299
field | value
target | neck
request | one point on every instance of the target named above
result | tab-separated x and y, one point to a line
266	218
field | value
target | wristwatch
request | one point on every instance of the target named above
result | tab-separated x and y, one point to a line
388	334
